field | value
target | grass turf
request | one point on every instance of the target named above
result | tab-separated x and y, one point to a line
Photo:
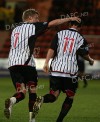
86	106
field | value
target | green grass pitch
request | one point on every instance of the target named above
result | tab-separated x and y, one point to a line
86	106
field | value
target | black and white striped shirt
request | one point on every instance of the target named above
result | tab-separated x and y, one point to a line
65	45
23	38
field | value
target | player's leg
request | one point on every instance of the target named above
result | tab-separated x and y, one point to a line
70	92
18	96
83	78
55	87
31	77
52	96
81	70
85	83
32	99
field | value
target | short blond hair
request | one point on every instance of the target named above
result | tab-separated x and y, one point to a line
28	12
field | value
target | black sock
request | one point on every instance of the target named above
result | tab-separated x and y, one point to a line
85	82
19	96
65	109
32	99
49	98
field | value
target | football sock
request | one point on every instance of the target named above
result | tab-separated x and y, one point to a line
85	82
31	118
49	98
19	96
65	109
13	100
32	99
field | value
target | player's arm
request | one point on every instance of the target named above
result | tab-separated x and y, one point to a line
62	21
51	53
43	26
83	51
88	58
48	57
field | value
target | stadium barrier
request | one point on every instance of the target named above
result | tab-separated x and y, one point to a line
94	70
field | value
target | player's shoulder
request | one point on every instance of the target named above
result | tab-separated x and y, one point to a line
62	32
69	30
76	31
21	25
40	23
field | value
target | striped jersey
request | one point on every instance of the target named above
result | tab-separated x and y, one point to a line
23	38
65	45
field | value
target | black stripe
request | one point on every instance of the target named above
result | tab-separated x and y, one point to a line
56	58
16	30
61	51
67	33
31	44
26	28
18	46
64	34
68	52
80	39
72	53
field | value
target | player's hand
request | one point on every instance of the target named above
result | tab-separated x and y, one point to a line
46	68
75	19
91	62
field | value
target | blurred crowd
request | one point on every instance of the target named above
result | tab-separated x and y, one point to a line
50	9
66	7
6	16
11	12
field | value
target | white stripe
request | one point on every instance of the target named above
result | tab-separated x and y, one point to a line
19	54
66	62
62	75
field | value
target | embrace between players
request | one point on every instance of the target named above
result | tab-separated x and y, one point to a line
64	49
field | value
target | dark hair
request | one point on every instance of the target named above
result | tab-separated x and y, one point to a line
76	23
28	12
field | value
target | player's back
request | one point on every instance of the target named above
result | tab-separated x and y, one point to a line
69	42
20	51
21	34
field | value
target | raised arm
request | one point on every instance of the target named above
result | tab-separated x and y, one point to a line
62	21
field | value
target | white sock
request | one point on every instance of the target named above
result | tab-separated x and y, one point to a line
31	119
30	115
13	100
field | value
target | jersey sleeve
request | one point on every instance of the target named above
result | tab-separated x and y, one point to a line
40	27
83	49
54	43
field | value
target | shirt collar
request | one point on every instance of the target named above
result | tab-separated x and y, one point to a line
73	29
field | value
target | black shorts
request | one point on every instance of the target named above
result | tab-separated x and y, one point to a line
63	83
23	74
